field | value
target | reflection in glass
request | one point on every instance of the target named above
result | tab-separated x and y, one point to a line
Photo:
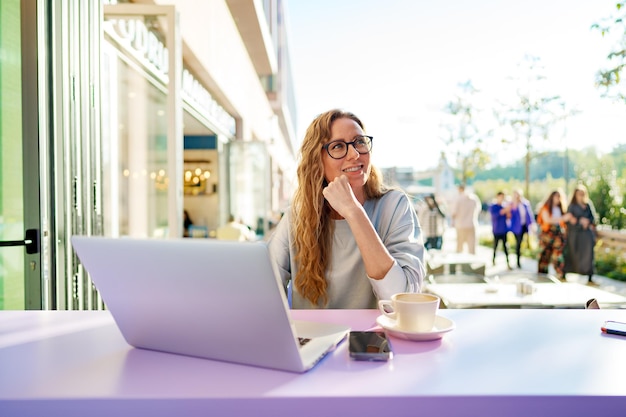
135	175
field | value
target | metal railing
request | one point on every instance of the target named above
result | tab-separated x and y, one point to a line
612	239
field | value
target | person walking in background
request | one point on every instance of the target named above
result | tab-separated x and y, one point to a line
234	230
551	220
521	220
186	223
499	225
464	216
347	240
581	237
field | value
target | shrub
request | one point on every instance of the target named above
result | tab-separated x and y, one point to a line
610	263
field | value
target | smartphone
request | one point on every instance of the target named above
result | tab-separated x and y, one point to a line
369	346
614	327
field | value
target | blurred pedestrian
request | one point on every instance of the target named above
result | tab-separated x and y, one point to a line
499	225
234	230
551	220
464	214
581	234
187	222
521	221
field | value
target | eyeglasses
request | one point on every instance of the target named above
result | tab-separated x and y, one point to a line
338	149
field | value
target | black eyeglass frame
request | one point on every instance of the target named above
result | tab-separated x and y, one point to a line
353	143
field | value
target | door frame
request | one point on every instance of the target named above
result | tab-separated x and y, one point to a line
61	140
34	134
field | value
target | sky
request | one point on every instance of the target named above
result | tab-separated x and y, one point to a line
396	63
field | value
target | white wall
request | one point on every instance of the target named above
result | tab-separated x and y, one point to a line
209	30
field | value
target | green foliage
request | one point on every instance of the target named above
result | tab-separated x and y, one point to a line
463	134
610	263
539	190
600	194
605	178
533	113
549	164
608	79
606	188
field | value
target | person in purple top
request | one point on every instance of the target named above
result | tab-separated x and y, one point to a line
522	218
499	224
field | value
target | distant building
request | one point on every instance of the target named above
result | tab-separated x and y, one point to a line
432	191
438	181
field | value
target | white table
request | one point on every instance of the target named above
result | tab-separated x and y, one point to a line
455	262
565	295
495	363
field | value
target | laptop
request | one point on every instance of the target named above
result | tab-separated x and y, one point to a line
219	300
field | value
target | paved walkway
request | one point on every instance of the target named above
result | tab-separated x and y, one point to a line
528	264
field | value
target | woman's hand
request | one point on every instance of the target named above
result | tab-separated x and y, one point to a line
377	259
340	196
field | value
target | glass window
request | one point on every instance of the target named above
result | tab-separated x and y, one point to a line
135	157
11	181
249	201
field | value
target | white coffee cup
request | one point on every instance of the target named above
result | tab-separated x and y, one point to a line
412	312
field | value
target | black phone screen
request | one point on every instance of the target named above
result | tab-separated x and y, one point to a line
369	346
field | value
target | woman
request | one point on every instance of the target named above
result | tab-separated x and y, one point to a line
581	237
346	240
551	218
521	221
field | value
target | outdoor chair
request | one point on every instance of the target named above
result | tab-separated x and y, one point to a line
477	268
464	278
435	266
198	231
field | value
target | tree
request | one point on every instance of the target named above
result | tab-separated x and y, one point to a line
533	113
601	194
462	131
607	186
608	80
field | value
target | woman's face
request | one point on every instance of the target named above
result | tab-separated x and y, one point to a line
354	165
580	196
556	199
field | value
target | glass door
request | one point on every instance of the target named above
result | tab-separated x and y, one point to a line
51	148
20	259
142	141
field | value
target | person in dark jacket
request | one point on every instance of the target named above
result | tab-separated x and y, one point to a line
499	224
522	218
581	235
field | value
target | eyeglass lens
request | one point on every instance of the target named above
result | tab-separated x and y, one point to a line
338	149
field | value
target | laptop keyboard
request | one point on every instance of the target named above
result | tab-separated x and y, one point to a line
303	341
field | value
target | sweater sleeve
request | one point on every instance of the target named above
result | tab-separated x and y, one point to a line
396	222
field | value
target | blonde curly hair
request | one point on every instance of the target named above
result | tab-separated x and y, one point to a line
311	227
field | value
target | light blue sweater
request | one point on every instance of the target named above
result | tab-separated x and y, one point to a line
395	221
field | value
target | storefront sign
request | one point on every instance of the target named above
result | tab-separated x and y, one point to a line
145	46
203	101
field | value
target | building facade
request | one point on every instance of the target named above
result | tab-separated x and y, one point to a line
121	117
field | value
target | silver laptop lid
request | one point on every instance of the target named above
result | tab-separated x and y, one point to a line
198	297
